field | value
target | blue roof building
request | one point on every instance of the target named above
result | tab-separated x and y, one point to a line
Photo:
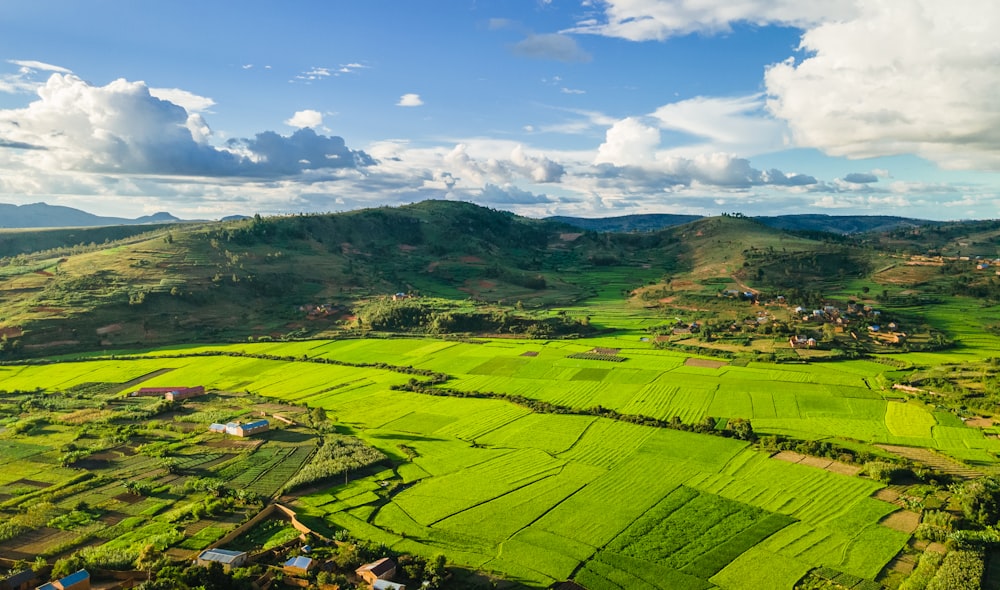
299	564
78	580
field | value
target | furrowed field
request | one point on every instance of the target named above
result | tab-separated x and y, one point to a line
538	491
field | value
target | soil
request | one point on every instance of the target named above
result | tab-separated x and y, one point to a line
709	364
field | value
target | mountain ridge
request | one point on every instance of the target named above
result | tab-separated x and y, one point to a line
43	215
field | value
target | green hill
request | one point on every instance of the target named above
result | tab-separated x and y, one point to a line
309	274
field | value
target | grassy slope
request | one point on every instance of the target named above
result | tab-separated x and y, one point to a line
250	277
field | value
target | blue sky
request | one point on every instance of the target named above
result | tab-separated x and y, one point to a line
542	107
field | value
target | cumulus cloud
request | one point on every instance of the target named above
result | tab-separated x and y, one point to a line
123	128
410	100
903	76
306	118
538	168
647	20
628	142
553	46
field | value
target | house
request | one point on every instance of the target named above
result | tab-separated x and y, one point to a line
248	428
299	566
228	559
22	580
802	341
387	585
383	569
241	428
169	393
78	580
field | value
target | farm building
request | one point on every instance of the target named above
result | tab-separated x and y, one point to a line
169	393
299	566
241	428
387	585
79	580
20	581
228	559
383	569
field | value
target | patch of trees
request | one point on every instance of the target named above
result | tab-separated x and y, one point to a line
336	456
414	315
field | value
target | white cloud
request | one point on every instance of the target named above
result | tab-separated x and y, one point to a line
24	80
39	65
191	102
410	100
306	118
121	128
628	142
565	90
731	124
904	76
646	20
350	68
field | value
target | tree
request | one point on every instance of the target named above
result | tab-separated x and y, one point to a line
980	500
150	559
742	429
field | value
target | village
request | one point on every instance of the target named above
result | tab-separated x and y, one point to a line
304	557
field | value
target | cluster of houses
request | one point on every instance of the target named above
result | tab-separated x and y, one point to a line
377	574
241	429
173	394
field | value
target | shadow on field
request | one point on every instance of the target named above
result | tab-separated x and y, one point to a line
407	437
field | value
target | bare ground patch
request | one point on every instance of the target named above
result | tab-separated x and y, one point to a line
709	364
886	495
569	236
904	521
979	422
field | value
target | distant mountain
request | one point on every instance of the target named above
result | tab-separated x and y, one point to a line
626	223
841	224
234	218
43	215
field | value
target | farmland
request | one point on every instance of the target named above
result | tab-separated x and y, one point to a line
535	497
667	424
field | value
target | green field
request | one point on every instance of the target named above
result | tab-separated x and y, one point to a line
540	497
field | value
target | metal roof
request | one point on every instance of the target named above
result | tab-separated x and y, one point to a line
221	555
300	562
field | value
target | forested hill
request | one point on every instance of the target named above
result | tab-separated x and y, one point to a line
626	223
836	224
